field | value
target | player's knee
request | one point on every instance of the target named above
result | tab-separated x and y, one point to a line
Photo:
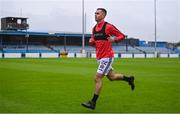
97	79
110	78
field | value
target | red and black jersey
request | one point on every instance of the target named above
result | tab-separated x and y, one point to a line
103	46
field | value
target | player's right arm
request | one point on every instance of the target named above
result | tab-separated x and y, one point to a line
92	41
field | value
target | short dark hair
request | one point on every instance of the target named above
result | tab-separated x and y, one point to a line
102	9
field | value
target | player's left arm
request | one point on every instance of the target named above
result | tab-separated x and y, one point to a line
114	34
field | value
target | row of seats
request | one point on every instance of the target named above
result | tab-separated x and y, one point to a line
158	49
77	49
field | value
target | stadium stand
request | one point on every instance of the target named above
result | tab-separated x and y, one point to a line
41	42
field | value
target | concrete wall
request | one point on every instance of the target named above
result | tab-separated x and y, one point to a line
139	55
71	55
32	55
163	55
12	55
49	55
150	56
126	55
173	55
80	55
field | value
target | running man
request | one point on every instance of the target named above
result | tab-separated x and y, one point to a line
104	34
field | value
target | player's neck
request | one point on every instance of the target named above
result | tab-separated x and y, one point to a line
101	21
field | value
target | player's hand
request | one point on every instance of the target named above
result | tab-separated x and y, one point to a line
90	40
111	38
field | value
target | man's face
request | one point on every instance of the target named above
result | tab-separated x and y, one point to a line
99	15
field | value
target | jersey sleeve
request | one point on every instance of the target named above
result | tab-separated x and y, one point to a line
111	30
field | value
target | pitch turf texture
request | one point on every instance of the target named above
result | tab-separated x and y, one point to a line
61	85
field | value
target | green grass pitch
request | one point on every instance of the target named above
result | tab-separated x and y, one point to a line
61	85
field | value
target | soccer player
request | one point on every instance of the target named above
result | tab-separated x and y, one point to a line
104	34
